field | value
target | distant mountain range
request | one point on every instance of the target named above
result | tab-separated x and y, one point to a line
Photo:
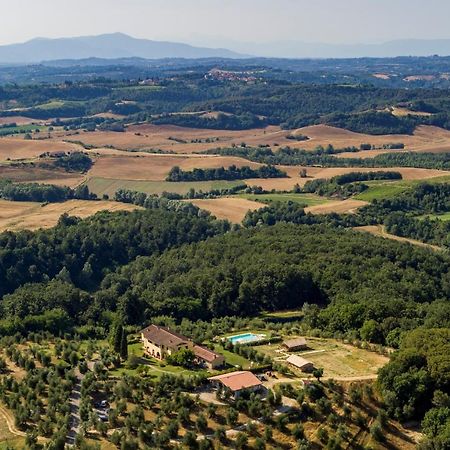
106	46
294	49
121	46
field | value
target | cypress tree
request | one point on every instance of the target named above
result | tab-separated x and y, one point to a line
124	346
116	337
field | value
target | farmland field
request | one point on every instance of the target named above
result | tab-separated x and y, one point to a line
235	208
16	216
28	173
190	140
232	208
177	139
348	206
19	148
424	139
157	167
110	186
387	189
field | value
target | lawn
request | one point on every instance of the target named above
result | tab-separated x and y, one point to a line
304	199
232	358
110	186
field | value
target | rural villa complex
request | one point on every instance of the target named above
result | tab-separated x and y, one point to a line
160	342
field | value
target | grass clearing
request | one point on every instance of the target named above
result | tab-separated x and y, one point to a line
338	360
58	104
304	199
444	217
379	190
283	315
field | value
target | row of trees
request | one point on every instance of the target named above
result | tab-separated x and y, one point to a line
231	173
325	158
43	193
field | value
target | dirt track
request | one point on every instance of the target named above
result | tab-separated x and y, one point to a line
379	230
9	422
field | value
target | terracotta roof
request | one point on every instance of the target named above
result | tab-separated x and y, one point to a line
238	380
298	361
205	353
297	342
163	336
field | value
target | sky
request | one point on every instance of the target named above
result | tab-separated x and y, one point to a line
222	22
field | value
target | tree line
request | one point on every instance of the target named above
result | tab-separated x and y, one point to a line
324	158
344	186
231	173
43	193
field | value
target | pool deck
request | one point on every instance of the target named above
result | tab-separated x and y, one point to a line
246	338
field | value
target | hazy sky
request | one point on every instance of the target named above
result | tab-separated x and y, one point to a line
218	21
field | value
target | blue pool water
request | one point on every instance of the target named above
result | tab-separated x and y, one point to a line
245	338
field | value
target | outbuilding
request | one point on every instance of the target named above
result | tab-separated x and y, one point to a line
295	345
209	358
237	382
297	362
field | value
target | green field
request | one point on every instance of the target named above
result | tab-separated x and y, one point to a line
109	186
58	104
283	315
233	359
379	190
304	199
444	217
4	131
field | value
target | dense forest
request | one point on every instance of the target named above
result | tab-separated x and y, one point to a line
412	214
85	250
223	276
416	383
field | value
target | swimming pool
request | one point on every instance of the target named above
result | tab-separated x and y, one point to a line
246	338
